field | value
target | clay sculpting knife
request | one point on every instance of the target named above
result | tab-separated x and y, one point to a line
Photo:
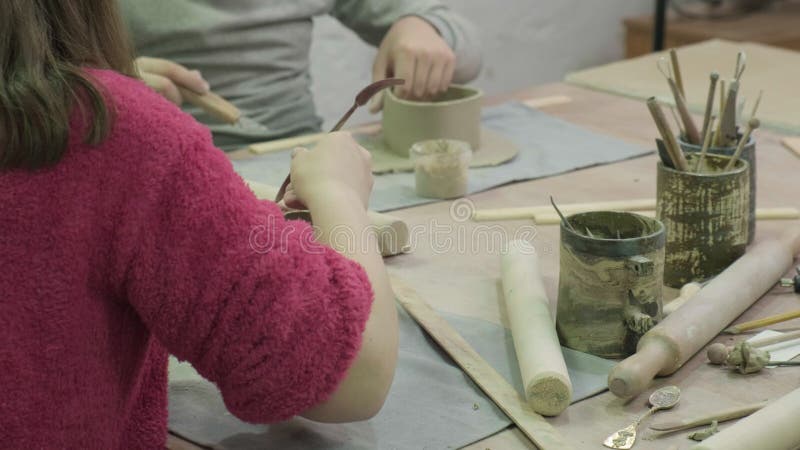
361	99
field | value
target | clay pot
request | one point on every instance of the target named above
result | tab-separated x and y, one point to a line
455	114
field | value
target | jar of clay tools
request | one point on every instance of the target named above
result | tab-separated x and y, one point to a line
441	168
749	155
610	281
707	216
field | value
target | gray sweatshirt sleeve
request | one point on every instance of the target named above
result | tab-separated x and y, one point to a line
371	20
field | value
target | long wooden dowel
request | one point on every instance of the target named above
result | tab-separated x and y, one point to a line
736	412
534	426
213	104
758	323
714	77
676	71
787	213
692	135
530	212
772	427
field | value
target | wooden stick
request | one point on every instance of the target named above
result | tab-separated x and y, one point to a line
676	71
692	135
752	124
668	345
757	103
704	151
505	396
793	144
541	363
736	412
392	232
543	102
788	213
772	427
530	212
710	104
675	153
213	104
728	117
304	140
722	98
758	323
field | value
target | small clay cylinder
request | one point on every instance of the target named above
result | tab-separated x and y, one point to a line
609	287
455	114
707	218
749	155
441	168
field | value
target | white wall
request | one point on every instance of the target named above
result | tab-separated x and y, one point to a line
525	42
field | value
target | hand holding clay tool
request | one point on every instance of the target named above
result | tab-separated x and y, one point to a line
710	104
675	153
706	419
544	373
213	104
752	124
664	398
666	347
361	99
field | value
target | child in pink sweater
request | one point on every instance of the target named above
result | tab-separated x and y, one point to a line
124	239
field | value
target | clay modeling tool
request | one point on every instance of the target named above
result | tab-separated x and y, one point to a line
752	124
771	320
722	97
718	353
706	419
213	104
675	153
544	373
728	117
698	166
563	219
710	104
668	345
686	292
772	427
756	104
663	153
792	282
505	396
691	133
681	130
362	98
676	71
664	398
741	64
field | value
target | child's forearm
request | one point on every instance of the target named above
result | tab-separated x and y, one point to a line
342	223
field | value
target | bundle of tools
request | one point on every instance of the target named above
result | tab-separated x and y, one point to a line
725	134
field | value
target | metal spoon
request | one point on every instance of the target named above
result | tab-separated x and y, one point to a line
361	99
664	398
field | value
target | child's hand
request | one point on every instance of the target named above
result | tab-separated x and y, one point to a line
337	167
165	76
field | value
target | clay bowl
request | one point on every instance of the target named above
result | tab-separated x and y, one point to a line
455	114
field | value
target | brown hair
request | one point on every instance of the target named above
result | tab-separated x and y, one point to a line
44	45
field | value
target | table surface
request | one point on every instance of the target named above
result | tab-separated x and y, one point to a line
465	279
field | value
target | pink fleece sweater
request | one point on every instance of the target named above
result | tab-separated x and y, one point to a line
146	244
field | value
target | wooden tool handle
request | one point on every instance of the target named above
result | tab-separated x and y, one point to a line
505	396
531	212
706	419
213	104
541	363
758	323
675	153
668	345
772	427
687	291
692	135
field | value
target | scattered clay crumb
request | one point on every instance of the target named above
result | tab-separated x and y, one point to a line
475	407
705	433
747	359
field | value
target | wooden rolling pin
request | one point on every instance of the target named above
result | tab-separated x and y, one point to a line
668	345
392	232
541	363
213	104
687	291
530	212
773	427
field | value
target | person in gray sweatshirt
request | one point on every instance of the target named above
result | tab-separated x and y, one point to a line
255	53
